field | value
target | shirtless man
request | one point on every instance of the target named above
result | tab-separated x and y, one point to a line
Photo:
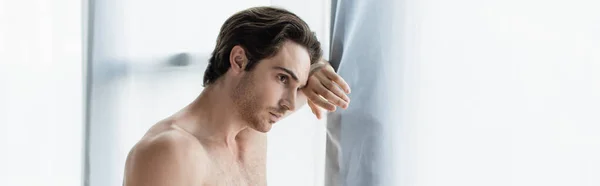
265	65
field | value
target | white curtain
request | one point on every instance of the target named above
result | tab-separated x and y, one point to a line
476	92
505	92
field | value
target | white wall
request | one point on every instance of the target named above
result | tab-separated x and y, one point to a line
41	131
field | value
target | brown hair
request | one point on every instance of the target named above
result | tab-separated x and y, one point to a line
260	31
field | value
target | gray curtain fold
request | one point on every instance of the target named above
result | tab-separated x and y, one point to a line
357	152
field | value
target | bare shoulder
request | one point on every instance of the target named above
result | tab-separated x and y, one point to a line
166	157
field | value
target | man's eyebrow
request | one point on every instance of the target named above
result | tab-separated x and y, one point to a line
288	71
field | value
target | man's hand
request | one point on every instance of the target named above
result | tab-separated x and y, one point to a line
325	89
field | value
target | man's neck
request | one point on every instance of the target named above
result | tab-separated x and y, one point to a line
212	117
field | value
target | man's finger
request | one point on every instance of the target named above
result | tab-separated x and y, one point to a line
320	101
333	87
315	109
337	79
330	96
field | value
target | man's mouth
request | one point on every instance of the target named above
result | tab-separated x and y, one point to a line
275	117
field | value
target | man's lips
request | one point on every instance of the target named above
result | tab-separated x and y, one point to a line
275	117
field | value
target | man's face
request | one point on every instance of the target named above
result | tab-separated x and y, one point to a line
271	90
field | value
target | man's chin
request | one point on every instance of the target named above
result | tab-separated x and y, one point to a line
264	127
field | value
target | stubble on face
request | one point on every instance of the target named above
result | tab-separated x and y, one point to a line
246	99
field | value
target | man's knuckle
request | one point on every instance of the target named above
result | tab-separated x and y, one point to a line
329	84
322	91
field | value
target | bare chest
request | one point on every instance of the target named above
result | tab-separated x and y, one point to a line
246	171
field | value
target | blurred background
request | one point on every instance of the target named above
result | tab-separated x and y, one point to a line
136	62
493	92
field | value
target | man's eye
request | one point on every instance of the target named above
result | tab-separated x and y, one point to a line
283	78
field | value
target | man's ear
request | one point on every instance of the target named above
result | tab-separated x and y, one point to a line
238	59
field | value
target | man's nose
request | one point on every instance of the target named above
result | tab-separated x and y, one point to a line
289	101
